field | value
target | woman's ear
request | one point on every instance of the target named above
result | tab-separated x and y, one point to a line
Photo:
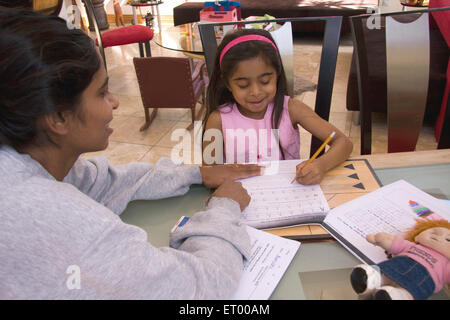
58	122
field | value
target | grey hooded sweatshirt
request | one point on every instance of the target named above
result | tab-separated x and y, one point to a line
65	240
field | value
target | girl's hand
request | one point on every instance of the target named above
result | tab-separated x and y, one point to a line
234	191
312	173
214	176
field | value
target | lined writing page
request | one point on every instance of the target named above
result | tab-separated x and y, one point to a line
270	257
275	202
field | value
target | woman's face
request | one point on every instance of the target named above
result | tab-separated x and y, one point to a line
90	130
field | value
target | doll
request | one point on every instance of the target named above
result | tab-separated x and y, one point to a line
118	13
419	268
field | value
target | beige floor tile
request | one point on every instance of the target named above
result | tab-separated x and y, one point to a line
129	106
427	141
121	153
338	102
174	114
176	154
343	64
155	153
118	121
342	121
124	86
309	98
128	131
356	147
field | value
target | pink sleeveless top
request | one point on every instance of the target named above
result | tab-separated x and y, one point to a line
248	140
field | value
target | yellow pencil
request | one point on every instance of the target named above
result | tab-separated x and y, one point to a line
327	140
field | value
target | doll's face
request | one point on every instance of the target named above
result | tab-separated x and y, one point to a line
437	239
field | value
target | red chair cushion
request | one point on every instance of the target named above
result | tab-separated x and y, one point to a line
443	22
127	35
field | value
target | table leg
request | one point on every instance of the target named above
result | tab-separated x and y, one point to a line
158	16
134	15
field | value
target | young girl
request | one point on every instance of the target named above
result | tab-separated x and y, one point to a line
247	102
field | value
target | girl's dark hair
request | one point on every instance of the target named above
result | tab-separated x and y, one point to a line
44	68
218	93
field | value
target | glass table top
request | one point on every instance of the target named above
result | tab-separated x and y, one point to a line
320	270
184	38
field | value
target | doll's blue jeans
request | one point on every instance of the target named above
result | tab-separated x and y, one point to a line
409	274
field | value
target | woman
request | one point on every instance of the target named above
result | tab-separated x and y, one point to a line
59	211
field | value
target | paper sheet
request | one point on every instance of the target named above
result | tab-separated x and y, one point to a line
270	257
392	209
275	202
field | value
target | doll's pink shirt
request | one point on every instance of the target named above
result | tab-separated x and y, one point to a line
437	265
234	120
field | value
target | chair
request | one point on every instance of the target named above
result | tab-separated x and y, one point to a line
121	36
400	60
328	58
167	82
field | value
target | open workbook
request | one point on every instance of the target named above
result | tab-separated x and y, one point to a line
276	202
347	181
393	209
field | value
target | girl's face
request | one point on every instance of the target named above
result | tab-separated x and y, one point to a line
90	129
253	85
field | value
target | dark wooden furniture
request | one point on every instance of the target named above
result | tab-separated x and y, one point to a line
400	66
189	11
167	82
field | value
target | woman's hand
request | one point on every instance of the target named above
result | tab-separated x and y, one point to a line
214	176
234	191
307	174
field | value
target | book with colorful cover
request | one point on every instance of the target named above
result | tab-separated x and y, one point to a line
393	208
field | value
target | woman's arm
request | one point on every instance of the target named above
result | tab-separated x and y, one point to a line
340	145
205	260
115	186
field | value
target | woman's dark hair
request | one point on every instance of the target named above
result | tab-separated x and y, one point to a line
44	68
218	93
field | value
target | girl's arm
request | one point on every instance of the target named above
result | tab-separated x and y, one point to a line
340	145
212	151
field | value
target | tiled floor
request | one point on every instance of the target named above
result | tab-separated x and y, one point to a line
127	143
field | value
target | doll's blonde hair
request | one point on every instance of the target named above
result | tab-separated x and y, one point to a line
424	224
